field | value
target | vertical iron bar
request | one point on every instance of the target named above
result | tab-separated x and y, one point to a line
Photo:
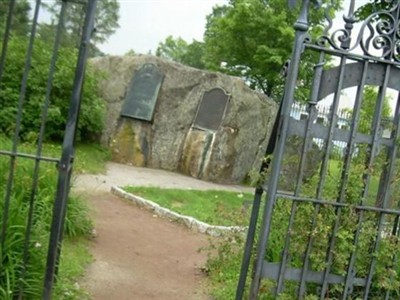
324	167
301	26
313	113
66	162
18	122
396	229
300	173
388	176
249	244
338	209
332	121
40	144
348	157
306	261
6	37
255	211
395	232
373	149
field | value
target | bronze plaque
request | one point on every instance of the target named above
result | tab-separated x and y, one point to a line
212	109
141	98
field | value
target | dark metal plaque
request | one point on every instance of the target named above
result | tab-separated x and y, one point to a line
141	98
212	109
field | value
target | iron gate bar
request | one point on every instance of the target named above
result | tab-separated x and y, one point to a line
349	154
352	55
386	188
259	190
21	101
338	211
256	209
310	121
373	153
395	232
30	156
44	114
301	26
319	131
66	163
306	145
331	202
395	134
271	271
372	70
6	37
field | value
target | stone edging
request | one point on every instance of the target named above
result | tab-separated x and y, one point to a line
163	212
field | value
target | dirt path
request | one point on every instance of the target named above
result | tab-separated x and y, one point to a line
137	255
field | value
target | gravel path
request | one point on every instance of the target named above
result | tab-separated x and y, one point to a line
138	255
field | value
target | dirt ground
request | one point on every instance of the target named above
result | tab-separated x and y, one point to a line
136	254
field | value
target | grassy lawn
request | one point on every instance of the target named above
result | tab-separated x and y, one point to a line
213	207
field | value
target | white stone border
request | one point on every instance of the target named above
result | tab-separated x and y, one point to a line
163	212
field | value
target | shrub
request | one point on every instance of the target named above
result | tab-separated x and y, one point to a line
316	222
92	108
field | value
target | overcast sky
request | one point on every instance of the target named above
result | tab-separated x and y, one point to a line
145	23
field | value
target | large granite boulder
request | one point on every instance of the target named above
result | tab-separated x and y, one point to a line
170	141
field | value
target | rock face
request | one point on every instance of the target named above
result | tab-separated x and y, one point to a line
170	141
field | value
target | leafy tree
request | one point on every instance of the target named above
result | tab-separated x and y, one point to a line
368	107
20	20
180	51
107	16
372	6
131	52
92	108
253	39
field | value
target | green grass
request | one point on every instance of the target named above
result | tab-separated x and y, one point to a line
213	207
75	257
78	224
89	158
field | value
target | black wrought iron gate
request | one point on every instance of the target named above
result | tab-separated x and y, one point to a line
330	224
11	155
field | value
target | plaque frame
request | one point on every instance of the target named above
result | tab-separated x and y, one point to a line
213	124
142	95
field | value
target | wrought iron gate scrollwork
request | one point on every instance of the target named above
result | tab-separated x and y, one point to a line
63	164
334	234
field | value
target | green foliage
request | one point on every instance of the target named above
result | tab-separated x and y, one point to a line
257	50
107	16
20	20
223	265
11	256
315	223
92	108
371	7
214	207
368	108
180	51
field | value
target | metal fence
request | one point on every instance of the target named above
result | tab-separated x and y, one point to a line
334	233
12	155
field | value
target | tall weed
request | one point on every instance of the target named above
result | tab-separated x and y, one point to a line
15	276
